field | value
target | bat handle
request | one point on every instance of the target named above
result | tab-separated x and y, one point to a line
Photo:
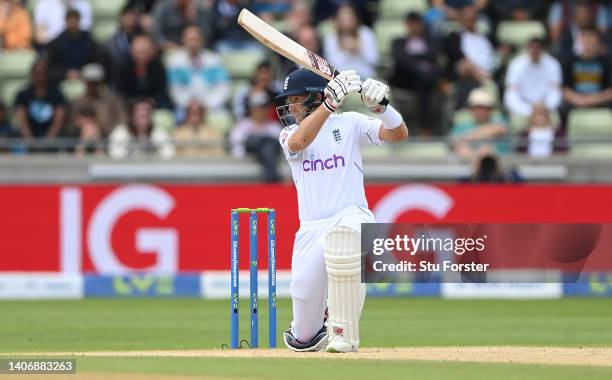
384	102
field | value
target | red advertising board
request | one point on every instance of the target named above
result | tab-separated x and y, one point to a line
171	228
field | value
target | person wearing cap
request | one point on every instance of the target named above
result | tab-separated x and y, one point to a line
258	134
533	78
107	107
483	125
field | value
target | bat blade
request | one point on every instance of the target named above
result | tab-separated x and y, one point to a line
284	45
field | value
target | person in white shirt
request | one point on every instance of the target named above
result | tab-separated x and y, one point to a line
533	78
351	45
323	149
50	17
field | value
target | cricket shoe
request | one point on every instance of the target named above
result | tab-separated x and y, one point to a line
317	343
338	342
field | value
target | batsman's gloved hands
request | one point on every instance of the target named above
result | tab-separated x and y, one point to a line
375	95
337	89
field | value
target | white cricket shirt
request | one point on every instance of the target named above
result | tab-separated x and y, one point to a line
328	174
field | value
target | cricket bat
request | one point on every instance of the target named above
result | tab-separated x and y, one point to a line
285	46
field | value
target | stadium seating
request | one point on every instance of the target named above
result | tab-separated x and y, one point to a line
325	28
386	32
164	119
220	120
241	64
10	89
16	64
424	150
103	30
518	33
590	124
394	9
106	9
72	89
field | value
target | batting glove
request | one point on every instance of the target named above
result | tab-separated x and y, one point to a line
375	95
338	88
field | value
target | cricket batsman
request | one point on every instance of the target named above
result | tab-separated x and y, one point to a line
323	148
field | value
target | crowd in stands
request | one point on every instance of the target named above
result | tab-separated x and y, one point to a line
483	73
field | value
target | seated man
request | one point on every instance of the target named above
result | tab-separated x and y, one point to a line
586	77
196	73
483	125
40	106
415	67
258	135
72	49
533	78
107	107
471	57
143	75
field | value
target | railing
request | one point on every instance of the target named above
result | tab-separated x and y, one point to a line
23	146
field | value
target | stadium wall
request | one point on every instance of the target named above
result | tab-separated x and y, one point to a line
143	240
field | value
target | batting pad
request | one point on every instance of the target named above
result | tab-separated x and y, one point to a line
346	293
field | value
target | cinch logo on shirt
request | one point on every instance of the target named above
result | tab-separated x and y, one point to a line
330	163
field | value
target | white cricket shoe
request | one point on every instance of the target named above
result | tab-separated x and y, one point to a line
339	344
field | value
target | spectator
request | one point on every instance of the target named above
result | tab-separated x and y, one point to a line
50	18
90	136
470	56
258	135
488	170
40	107
533	77
140	136
227	34
196	73
6	129
195	137
443	11
298	17
586	77
352	45
583	17
474	133
516	10
415	67
171	17
325	9
144	10
307	37
119	45
262	81
72	49
567	16
541	138
15	26
7	132
144	74
106	108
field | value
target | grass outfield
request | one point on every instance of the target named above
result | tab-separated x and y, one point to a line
188	324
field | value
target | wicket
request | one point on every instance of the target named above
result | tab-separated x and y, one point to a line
253	259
